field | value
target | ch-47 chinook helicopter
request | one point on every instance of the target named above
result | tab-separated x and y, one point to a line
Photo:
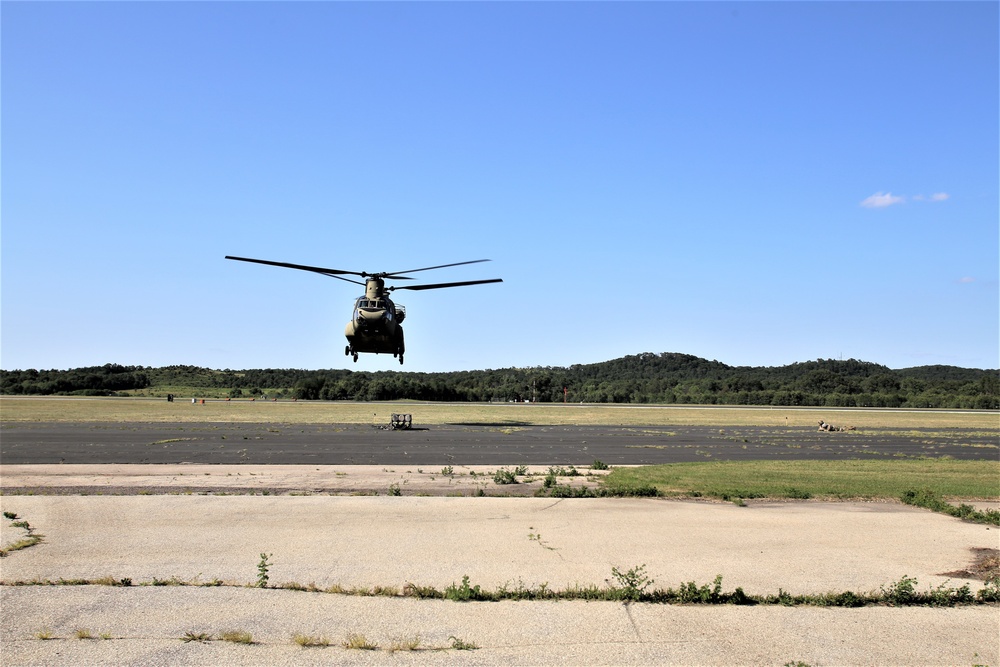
375	325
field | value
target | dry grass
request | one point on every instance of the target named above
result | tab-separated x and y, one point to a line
359	642
310	641
405	644
502	415
236	637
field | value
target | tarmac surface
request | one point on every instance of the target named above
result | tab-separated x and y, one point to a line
175	527
465	444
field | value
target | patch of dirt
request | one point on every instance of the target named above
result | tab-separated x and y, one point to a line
985	566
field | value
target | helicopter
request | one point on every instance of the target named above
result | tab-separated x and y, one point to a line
375	324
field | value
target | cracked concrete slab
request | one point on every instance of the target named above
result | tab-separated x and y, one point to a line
801	547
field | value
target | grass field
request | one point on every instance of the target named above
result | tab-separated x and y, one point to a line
320	412
816	479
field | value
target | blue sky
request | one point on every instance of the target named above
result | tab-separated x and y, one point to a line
757	183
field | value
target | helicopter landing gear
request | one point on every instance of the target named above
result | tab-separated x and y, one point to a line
350	352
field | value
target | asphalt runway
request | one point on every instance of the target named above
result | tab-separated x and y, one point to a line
465	444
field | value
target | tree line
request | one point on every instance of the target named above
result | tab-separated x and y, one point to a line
666	378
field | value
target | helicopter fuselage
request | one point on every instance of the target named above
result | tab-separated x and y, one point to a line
375	324
375	327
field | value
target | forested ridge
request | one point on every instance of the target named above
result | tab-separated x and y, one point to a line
667	378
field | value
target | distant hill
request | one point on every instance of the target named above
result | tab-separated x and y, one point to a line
667	378
948	373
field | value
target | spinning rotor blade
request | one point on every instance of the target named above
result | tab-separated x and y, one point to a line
395	274
333	273
338	273
440	285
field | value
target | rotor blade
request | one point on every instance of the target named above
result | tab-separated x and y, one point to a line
393	274
346	280
440	285
315	269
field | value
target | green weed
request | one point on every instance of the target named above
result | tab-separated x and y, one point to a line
928	499
504	476
632	583
462	645
262	570
463	592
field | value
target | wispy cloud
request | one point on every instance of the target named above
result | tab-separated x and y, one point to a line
937	196
884	199
967	279
881	200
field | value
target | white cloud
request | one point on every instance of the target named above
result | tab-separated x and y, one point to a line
937	196
881	200
967	279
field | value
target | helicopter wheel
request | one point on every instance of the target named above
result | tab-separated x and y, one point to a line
400	360
347	350
355	357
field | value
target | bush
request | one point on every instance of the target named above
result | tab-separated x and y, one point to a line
504	476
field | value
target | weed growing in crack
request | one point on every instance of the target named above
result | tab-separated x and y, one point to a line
310	641
929	500
691	592
358	642
463	592
263	567
461	644
411	590
405	644
236	637
29	540
632	583
900	592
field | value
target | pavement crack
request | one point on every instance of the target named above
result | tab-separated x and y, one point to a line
635	628
548	507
